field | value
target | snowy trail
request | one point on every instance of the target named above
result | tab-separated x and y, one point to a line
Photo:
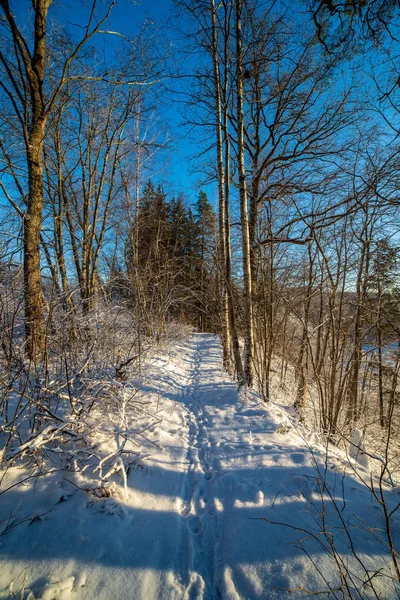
197	504
190	527
199	498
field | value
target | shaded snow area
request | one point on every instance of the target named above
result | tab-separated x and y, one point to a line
233	501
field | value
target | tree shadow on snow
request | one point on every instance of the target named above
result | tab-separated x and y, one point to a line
199	510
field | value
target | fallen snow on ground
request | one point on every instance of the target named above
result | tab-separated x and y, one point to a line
228	505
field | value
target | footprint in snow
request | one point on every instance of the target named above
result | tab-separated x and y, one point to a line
298	458
195	525
211	509
184	508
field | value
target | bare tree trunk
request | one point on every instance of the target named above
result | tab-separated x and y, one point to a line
228	272
57	201
247	291
357	349
382	418
227	168
221	193
137	187
255	177
301	394
35	69
32	228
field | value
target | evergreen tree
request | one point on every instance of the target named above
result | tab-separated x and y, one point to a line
153	226
205	221
178	223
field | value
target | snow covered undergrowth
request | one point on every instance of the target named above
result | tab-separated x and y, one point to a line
233	501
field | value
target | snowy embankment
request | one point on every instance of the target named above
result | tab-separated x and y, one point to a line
232	501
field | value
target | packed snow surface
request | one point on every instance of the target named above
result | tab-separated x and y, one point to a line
228	505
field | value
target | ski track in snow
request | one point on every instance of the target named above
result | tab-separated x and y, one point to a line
190	528
198	503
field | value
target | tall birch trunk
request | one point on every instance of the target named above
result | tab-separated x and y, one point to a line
227	177
247	291
228	266
226	343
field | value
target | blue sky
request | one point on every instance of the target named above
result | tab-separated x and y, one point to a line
178	173
175	170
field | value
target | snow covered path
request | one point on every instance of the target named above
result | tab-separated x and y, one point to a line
191	525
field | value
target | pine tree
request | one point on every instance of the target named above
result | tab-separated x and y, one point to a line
205	221
178	223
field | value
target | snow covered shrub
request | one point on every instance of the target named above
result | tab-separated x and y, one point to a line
77	410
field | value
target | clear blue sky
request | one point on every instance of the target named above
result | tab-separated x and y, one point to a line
178	174
127	17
